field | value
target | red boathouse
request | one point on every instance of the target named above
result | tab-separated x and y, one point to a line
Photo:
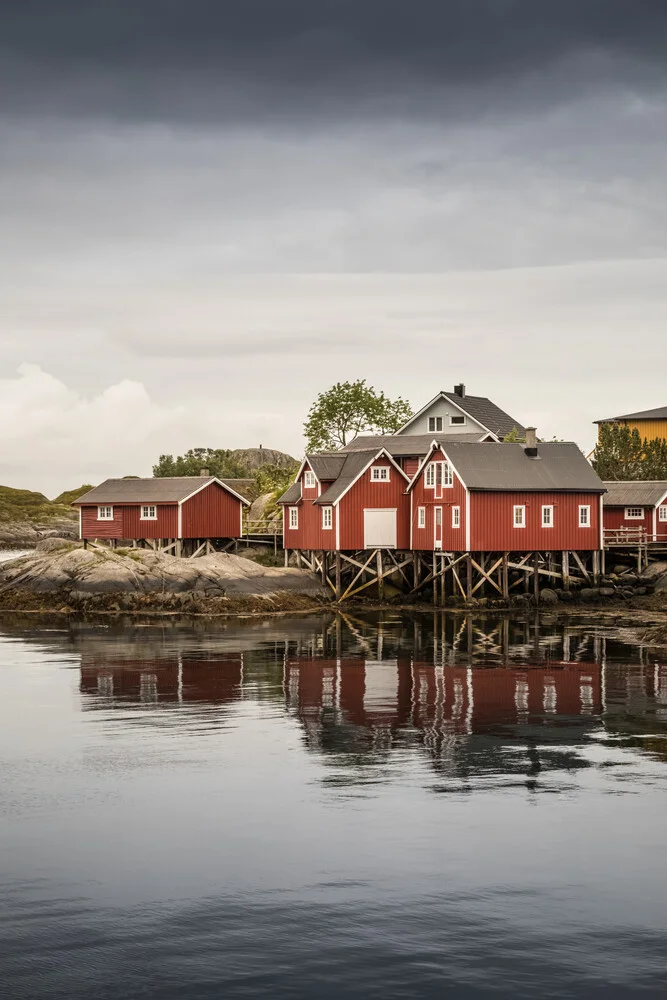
635	512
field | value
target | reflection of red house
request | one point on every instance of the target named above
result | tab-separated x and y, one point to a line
396	693
217	681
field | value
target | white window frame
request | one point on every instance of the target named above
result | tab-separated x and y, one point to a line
105	516
630	516
309	480
662	513
143	516
421	517
327	518
550	522
435	421
456	517
519	507
586	522
457	420
429	476
439	473
293	518
380	474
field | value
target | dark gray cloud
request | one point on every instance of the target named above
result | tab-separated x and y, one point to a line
208	58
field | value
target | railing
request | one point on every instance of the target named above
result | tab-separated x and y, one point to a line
262	527
626	536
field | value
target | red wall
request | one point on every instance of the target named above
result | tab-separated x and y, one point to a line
92	528
453	539
310	535
166	525
614	519
492	522
211	513
367	495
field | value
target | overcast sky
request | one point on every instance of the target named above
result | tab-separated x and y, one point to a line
210	211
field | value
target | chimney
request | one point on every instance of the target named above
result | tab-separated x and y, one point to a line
460	390
204	472
531	442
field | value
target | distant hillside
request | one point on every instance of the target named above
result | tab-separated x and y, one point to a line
69	496
25	517
255	458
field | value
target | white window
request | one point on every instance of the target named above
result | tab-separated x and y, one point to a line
548	517
294	517
435	423
520	517
446	474
327	517
662	513
148	512
457	420
633	513
430	475
421	517
456	517
380	474
105	513
309	480
584	517
440	474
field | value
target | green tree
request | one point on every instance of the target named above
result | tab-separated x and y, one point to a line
219	462
348	409
622	454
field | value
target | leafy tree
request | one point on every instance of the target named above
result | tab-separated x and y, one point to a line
219	462
275	479
622	454
348	409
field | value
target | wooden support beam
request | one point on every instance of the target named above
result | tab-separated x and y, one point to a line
378	563
349	590
198	551
468	576
486	576
584	571
536	576
339	586
565	565
506	576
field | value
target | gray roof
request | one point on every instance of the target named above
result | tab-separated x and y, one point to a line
355	462
403	445
291	494
635	494
170	489
327	466
558	466
486	413
659	413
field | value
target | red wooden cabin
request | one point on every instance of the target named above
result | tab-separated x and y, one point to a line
505	497
187	507
635	511
347	501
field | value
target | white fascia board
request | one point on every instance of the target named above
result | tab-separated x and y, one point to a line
467	519
443	396
436	446
383	453
214	479
423	410
601	524
422	465
180	521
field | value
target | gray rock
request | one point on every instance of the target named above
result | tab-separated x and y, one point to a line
548	596
589	593
566	596
640	591
607	591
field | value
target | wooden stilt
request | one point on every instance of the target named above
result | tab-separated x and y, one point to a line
286	558
506	576
596	568
468	576
536	576
435	580
565	569
380	576
339	584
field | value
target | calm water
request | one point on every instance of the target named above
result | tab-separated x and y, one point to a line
385	807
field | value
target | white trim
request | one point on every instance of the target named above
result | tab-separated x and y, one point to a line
293	510
456	509
549	507
436	429
522	508
105	506
460	423
467	519
147	506
309	485
380	468
382	453
601	526
411	517
627	516
327	510
437	544
585	506
435	446
337	516
659	510
441	396
205	486
80	523
180	521
240	520
421	517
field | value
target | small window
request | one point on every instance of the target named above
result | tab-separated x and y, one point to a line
429	481
105	513
457	420
548	517
327	517
634	513
380	474
294	517
421	517
148	512
584	517
520	517
456	517
309	480
446	474
435	423
662	513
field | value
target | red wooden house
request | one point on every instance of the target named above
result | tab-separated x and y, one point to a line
635	511
505	497
178	508
347	501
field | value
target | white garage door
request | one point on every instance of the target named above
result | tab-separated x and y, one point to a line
380	529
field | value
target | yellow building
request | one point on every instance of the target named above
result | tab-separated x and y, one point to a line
650	423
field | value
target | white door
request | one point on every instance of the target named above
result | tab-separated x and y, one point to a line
380	529
437	527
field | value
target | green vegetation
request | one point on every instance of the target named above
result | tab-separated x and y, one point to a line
69	496
24	505
622	454
348	409
217	461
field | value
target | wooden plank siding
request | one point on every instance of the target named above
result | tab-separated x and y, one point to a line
211	513
648	429
368	495
492	522
453	539
614	520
